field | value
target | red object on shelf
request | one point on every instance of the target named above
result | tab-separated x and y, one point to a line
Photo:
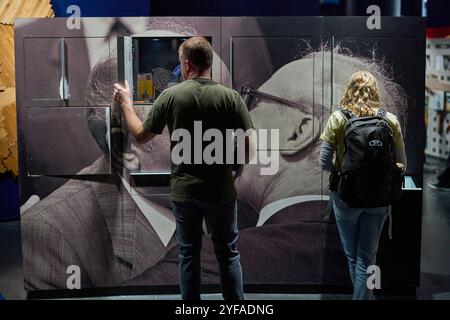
438	32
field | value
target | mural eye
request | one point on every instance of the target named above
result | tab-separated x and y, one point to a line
293	137
304	122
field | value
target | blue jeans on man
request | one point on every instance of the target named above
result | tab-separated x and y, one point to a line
221	220
360	231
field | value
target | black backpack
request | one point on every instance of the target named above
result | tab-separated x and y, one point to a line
369	175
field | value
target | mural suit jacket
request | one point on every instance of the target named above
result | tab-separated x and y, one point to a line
95	225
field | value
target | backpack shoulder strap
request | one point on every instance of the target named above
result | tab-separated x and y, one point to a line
347	114
382	113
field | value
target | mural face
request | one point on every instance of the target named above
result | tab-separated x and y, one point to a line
111	219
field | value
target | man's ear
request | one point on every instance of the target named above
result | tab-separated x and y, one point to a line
299	135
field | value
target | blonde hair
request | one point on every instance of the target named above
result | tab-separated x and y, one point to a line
361	95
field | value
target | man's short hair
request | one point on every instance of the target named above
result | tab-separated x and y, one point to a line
198	51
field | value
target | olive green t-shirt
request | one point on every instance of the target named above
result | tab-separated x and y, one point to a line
217	107
334	133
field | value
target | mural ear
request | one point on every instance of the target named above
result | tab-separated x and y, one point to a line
122	158
131	161
300	135
127	160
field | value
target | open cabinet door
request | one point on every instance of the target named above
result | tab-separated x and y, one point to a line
151	180
125	60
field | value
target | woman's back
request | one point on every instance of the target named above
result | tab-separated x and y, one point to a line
334	133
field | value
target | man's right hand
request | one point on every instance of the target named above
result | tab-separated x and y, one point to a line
123	95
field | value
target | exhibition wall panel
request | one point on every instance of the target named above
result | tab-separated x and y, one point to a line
117	225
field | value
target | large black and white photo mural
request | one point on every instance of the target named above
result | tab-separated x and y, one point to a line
104	204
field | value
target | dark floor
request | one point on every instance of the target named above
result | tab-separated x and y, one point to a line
11	278
435	264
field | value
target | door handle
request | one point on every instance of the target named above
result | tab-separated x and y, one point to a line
64	82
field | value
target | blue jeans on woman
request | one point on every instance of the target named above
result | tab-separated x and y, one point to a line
360	231
221	219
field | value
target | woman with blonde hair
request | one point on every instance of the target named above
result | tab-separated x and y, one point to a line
359	227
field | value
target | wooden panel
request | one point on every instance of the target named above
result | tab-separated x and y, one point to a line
7	56
10	9
8	132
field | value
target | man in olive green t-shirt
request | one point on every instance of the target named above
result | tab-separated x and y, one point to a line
199	189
